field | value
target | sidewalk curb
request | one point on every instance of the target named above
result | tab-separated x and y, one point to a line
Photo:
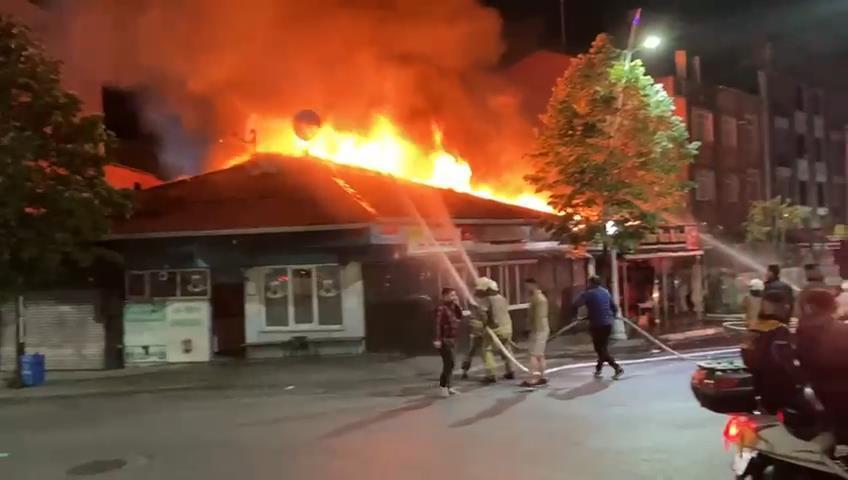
27	394
68	390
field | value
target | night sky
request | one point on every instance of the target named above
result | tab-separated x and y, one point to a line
809	36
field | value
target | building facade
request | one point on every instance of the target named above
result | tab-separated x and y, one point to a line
805	146
728	173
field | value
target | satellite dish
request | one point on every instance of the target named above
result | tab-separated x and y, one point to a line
306	124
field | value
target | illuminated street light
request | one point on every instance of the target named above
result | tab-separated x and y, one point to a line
651	42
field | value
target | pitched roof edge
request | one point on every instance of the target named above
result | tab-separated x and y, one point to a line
236	231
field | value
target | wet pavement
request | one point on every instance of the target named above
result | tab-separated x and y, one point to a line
645	426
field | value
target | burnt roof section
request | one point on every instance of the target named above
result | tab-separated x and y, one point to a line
278	193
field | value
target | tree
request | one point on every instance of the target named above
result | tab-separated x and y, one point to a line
54	201
610	152
769	220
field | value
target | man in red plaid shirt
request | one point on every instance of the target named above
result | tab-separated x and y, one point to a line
448	315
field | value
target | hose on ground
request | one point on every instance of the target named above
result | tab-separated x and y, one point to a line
497	341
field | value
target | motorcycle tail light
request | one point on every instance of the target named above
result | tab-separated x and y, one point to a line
699	377
732	430
741	431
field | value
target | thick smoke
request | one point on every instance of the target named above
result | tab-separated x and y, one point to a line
214	64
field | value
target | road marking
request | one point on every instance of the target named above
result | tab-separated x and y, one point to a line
644	360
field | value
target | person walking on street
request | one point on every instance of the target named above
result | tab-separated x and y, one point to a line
539	332
495	312
448	315
601	312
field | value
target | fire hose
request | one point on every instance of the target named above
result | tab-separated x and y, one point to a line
675	354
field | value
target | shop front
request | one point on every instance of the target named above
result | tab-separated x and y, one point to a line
167	317
662	281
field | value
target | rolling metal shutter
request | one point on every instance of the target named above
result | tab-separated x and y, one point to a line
7	337
65	326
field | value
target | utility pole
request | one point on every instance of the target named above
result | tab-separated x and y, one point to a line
618	330
562	23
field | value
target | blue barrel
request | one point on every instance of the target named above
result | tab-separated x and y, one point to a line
32	369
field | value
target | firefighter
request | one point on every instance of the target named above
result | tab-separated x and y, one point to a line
495	313
475	337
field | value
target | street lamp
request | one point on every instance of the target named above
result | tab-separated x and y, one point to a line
651	42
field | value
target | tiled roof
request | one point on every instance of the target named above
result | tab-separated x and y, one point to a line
277	192
121	176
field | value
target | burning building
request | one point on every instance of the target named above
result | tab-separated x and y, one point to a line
288	255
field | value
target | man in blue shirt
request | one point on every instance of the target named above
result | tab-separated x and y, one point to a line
601	312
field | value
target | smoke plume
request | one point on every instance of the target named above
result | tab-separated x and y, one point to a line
215	64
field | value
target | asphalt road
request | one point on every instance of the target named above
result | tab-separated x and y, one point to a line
645	426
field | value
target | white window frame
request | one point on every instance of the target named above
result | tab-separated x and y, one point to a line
178	272
729	131
507	290
300	327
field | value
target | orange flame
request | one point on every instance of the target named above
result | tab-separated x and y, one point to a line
383	148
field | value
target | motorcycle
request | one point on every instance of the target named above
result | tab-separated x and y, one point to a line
767	449
795	443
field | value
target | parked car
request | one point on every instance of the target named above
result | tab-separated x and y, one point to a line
724	386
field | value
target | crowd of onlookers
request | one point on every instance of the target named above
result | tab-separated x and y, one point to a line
820	340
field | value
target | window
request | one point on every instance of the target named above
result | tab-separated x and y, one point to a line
705	185
194	283
752	185
300	297
136	284
329	283
800	146
147	284
702	125
748	133
820	195
799	98
163	284
277	297
509	275
728	131
802	192
731	188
